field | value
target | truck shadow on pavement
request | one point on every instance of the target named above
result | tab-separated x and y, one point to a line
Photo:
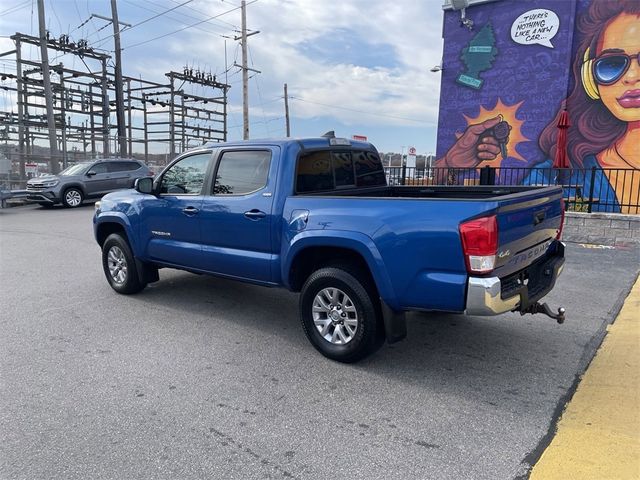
508	352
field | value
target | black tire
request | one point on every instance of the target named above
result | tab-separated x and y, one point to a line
369	331
117	253
72	197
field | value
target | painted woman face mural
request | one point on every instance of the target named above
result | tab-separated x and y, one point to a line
616	69
604	104
603	107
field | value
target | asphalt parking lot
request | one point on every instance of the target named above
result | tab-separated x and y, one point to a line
199	377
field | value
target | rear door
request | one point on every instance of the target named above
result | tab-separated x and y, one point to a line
236	216
121	174
170	221
527	224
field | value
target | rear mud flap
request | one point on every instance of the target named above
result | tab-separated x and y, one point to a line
395	323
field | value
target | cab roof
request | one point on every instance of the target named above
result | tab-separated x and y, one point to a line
309	142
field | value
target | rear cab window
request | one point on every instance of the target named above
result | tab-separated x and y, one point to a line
327	170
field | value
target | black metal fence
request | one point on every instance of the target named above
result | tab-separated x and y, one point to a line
613	190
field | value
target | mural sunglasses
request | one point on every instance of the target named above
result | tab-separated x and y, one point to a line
609	68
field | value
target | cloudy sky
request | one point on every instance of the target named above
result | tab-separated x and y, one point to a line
353	66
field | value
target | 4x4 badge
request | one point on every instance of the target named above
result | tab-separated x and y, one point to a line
505	253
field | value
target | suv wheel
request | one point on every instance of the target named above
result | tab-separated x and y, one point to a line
119	265
340	314
72	197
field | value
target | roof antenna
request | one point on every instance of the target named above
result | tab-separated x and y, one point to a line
329	134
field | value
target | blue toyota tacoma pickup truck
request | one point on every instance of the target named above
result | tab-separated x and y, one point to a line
316	216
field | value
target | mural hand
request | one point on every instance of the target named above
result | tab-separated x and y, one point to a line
472	147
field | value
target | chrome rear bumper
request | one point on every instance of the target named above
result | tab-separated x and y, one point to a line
484	294
483	297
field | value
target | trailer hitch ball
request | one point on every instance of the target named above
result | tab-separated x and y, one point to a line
544	308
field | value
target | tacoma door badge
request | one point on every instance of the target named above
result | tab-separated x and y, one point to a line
504	253
161	234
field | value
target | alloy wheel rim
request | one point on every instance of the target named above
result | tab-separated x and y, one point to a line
335	316
117	265
73	198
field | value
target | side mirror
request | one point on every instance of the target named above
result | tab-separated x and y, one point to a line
144	185
90	173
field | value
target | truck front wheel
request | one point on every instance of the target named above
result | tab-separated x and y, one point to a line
119	265
340	314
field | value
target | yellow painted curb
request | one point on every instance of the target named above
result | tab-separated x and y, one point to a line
598	436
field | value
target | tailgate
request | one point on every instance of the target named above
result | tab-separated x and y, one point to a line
527	224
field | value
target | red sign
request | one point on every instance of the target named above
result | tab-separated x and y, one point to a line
412	150
360	138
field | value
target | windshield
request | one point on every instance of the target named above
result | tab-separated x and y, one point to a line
77	169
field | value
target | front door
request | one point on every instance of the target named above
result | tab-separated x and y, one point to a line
170	221
97	180
236	217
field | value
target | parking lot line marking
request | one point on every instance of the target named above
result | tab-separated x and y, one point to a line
598	435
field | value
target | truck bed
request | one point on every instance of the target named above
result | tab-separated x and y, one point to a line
479	192
416	231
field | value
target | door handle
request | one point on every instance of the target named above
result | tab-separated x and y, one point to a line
254	214
190	211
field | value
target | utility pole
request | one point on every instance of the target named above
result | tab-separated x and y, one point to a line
119	88
245	70
286	110
22	107
51	122
122	136
245	74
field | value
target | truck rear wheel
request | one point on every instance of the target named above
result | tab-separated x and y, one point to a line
340	314
119	265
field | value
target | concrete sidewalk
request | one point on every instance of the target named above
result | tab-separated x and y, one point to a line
598	436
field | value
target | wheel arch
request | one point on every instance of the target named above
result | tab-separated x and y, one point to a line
76	185
310	251
115	222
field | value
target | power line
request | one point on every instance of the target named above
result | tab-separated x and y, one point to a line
264	116
160	14
53	9
15	8
184	28
201	13
175	19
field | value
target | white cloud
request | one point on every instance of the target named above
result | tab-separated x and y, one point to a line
297	45
407	90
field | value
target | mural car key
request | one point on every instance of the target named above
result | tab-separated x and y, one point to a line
501	133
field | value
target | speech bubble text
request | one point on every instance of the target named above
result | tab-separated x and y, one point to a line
535	26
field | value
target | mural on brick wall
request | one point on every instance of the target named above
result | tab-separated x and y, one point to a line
507	83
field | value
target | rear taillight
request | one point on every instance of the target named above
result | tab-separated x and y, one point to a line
559	234
480	244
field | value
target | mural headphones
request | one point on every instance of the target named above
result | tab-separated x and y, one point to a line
586	72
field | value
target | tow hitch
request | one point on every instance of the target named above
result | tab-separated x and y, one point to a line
544	308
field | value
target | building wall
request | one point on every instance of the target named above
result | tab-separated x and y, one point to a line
602	229
522	63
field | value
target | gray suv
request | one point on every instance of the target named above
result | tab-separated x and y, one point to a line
85	181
